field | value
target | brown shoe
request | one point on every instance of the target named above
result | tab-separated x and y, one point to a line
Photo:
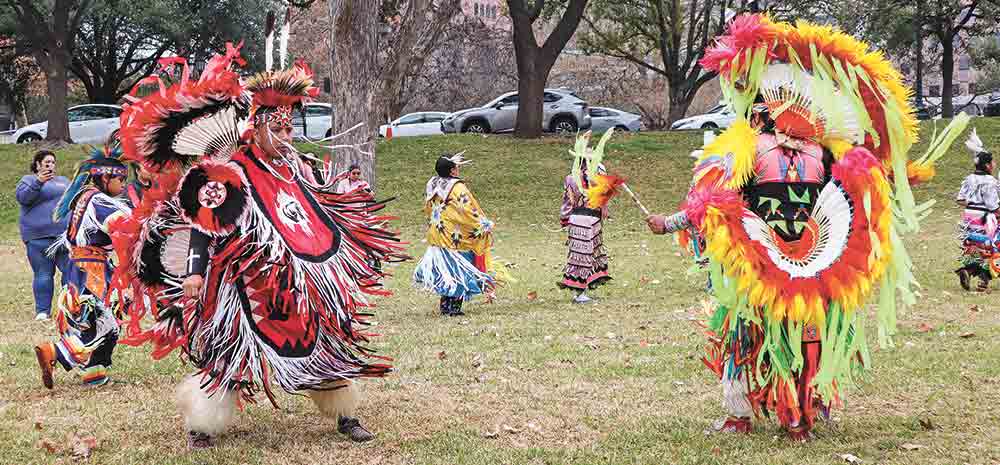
353	429
46	355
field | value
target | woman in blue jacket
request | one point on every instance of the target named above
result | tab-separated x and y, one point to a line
39	193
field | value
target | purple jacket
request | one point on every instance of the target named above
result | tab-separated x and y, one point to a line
38	201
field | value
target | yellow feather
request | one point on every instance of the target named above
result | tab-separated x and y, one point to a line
837	146
738	145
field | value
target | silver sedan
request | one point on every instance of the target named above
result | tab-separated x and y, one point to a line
603	119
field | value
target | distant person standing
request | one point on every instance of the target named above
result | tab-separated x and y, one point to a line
352	182
143	182
38	194
978	230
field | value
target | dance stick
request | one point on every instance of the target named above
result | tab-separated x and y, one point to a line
636	199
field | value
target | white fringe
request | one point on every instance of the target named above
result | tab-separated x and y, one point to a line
289	373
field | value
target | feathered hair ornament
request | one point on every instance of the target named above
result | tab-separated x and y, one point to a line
975	144
277	92
100	161
458	159
178	124
445	163
589	173
586	160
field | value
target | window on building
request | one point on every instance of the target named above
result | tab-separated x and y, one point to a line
972	88
935	91
477	9
956	89
964	62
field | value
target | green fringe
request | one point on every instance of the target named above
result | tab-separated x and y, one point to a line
940	144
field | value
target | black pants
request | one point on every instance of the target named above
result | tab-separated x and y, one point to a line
451	305
977	271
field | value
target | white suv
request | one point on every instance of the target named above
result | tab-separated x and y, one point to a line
88	124
313	122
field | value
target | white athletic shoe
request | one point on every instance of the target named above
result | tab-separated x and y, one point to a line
41	317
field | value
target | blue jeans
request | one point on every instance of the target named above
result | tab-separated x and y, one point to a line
44	269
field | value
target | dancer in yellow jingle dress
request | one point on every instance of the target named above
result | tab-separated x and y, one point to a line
459	238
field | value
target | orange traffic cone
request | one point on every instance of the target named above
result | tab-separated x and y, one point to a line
388	133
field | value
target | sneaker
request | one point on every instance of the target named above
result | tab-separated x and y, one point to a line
199	441
46	356
41	316
582	299
352	428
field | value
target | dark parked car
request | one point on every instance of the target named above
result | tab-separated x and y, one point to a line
925	111
992	107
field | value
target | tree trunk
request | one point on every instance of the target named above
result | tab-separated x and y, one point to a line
21	113
355	47
947	68
526	52
679	103
55	67
534	62
919	78
530	90
107	93
919	66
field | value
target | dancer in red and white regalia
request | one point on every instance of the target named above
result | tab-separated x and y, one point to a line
257	272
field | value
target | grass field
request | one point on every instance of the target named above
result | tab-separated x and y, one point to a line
532	379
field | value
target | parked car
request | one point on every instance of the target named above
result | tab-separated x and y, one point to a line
88	124
992	107
603	119
561	112
926	111
719	117
415	124
313	122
